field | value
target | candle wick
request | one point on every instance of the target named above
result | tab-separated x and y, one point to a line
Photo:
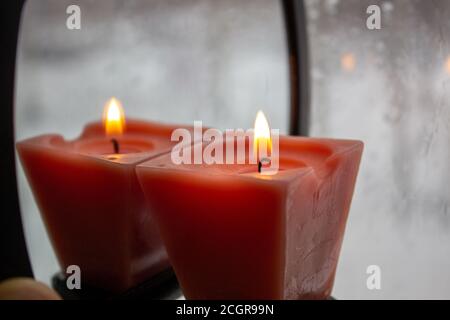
115	145
260	163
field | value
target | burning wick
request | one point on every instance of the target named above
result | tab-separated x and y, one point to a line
261	162
115	145
114	121
262	139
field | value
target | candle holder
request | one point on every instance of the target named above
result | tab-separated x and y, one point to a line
163	286
13	250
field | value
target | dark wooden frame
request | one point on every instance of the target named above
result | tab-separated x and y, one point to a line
298	51
13	251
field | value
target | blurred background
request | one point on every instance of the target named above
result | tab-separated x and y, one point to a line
221	61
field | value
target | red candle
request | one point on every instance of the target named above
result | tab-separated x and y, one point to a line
91	202
233	233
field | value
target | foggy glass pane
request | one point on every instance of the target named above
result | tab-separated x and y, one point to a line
173	61
389	88
220	61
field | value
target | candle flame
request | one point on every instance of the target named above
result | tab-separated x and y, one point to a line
348	62
447	64
262	140
114	117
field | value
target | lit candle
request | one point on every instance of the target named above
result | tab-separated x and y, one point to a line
262	142
235	233
91	202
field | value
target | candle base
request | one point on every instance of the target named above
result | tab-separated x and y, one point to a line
163	286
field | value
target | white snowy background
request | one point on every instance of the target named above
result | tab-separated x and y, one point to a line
221	61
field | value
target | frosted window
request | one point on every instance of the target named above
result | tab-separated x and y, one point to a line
390	88
174	61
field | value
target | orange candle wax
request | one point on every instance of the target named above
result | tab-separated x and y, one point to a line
232	233
92	205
